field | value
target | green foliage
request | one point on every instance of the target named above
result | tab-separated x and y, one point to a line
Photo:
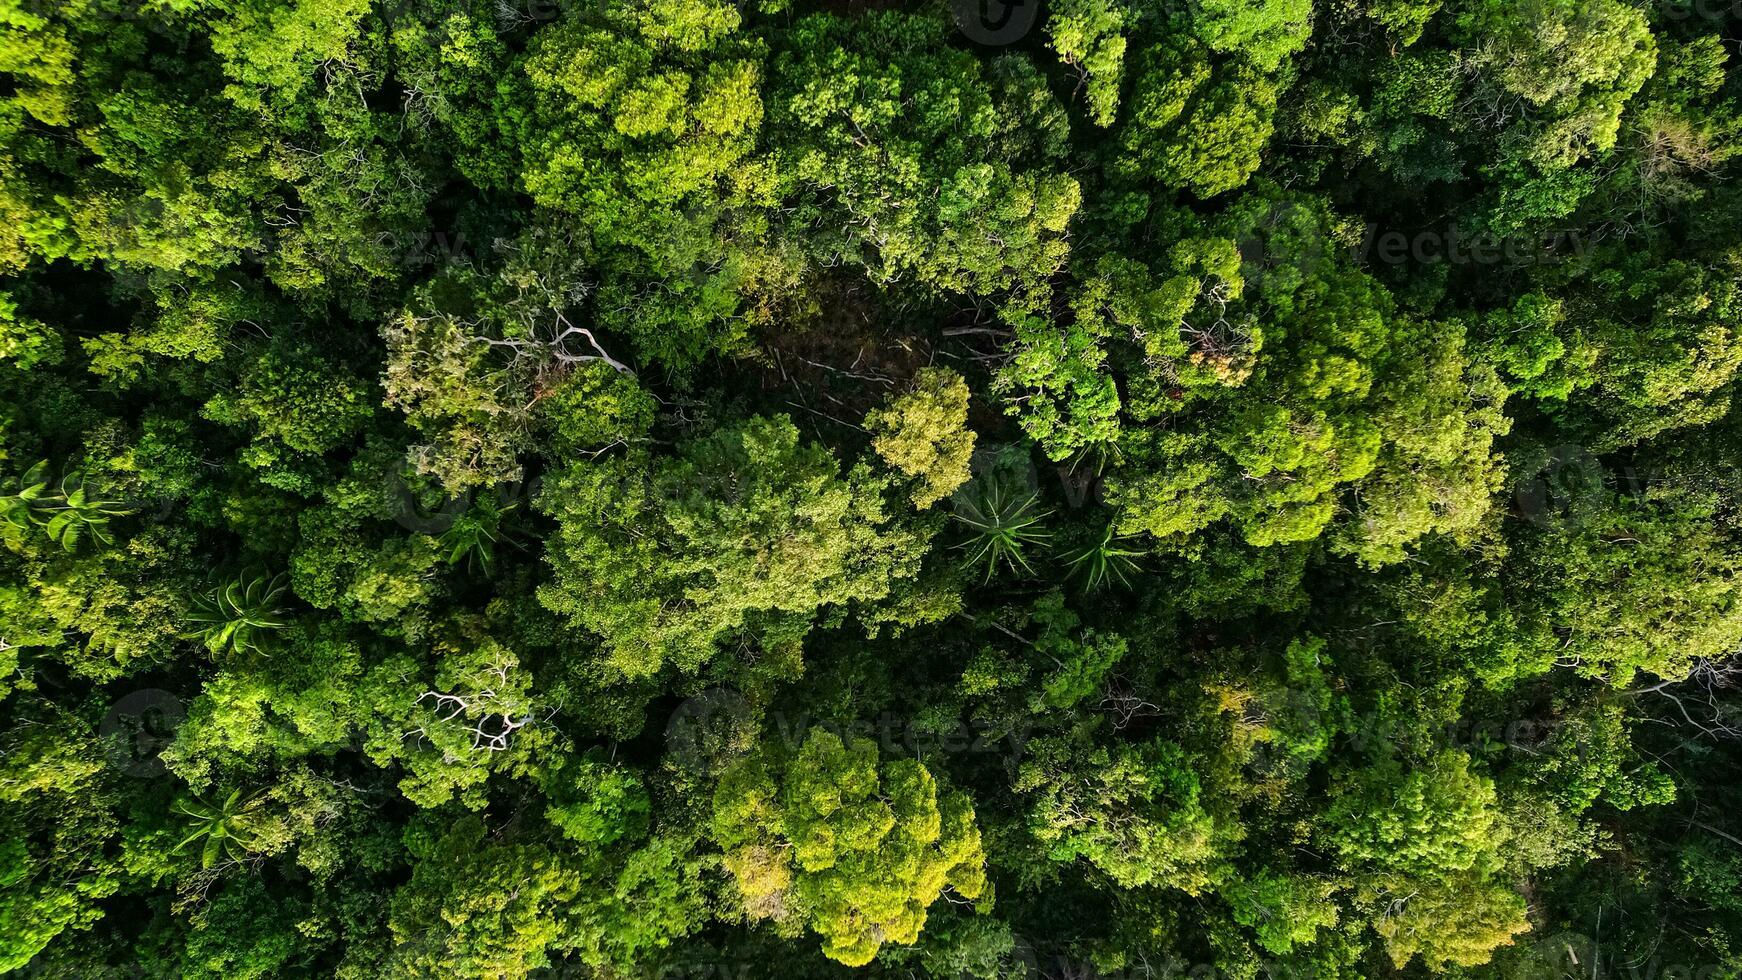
1284	910
1641	584
73	514
224	831
1196	123
473	535
747	529
595	804
854	850
924	434
1134	812
1265	32
479	907
1089	36
238	617
19	506
1332	403
1104	561
1575	62
1000	523
915	158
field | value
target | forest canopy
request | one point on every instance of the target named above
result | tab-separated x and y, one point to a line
912	490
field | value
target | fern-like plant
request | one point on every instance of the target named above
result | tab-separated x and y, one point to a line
18	508
75	513
1103	562
239	616
227	829
472	538
1001	524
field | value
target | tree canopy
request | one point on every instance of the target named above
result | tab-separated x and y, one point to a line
912	490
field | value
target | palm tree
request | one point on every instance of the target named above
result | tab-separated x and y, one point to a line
18	509
1105	560
474	535
75	513
238	616
228	829
1001	525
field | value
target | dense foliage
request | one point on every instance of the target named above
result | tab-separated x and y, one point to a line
681	488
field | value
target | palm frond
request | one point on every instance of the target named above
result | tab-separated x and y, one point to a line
1000	525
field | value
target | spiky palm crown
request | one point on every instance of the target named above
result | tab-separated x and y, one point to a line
77	512
239	615
227	827
1104	561
1000	525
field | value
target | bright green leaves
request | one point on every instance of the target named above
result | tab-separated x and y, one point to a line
28	492
1426	846
1055	383
479	906
1634	584
454	387
854	850
224	831
298	406
24	341
1285	910
1089	37
71	514
923	433
58	830
239	616
273	48
473	535
676	122
39	58
642	119
1266	32
1574	62
747	529
1000	523
1105	560
1194	123
489	368
1132	811
1082	658
1438	472
480	716
1441	818
917	159
596	803
1321	386
1168	327
572	247
1670	342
